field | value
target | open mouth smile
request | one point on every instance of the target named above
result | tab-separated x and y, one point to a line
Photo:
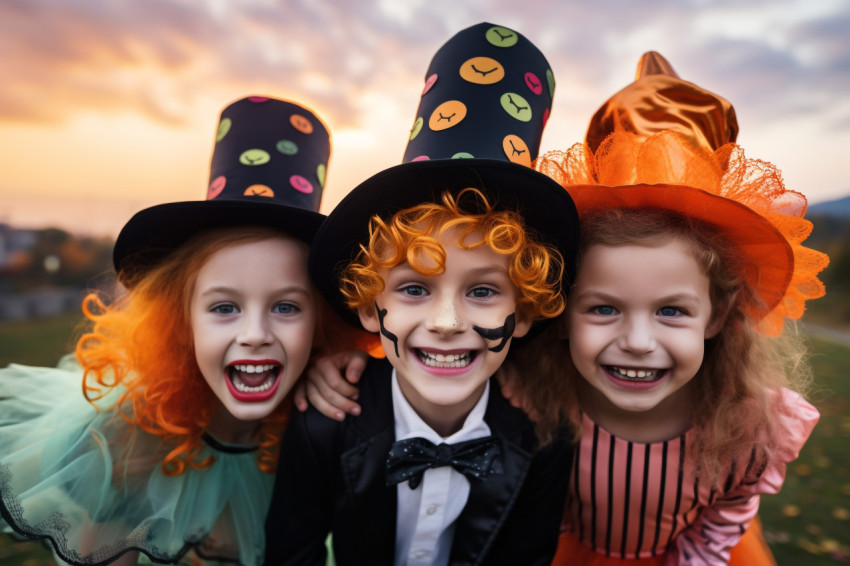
453	361
634	374
253	382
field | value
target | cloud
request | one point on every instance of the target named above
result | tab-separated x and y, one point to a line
163	58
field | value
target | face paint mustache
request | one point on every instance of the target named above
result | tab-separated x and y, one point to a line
503	332
389	335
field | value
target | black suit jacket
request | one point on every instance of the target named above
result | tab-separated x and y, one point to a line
331	478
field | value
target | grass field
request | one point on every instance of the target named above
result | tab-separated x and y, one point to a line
808	522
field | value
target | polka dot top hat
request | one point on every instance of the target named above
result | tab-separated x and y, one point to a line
268	169
665	143
486	99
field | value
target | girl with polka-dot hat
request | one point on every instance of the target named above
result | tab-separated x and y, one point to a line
172	443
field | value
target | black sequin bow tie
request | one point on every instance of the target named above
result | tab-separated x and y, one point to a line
408	459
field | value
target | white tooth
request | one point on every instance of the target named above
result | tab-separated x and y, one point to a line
641	373
631	373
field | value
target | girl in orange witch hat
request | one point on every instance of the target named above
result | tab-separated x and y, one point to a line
677	374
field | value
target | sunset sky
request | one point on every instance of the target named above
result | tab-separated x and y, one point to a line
109	106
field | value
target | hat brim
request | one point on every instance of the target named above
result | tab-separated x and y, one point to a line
767	258
153	233
545	206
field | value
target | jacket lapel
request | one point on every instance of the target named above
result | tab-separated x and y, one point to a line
492	499
363	466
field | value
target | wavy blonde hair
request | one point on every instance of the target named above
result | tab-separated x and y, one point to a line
735	398
143	343
413	236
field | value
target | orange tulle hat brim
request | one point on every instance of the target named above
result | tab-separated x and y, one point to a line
768	257
744	199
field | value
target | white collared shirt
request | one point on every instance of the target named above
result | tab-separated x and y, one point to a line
425	520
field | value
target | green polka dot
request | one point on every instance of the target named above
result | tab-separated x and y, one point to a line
502	36
254	157
550	78
287	147
417	127
516	106
462	155
223	128
321	171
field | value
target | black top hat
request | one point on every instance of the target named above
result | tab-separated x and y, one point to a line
487	96
268	169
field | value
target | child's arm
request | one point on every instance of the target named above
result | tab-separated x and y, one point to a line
508	378
326	388
538	507
719	527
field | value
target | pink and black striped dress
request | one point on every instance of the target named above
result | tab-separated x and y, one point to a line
633	500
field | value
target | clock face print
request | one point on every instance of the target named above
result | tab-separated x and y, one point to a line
287	147
533	83
254	157
448	114
502	36
516	150
259	191
301	184
301	124
216	186
429	82
482	71
417	127
223	128
516	106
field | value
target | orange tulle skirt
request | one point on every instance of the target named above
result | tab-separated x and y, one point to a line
751	550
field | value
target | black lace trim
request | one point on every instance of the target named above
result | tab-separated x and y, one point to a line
220	446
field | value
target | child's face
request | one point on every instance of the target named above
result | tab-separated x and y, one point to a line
253	314
638	318
447	334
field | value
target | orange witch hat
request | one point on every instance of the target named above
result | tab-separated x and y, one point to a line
666	143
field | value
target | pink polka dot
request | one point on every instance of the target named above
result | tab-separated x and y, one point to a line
421	158
301	184
533	83
429	82
258	99
216	187
545	116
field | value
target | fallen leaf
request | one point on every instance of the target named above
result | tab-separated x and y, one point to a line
791	511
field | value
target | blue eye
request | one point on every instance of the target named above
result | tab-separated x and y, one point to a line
285	308
670	311
482	292
604	310
224	308
414	290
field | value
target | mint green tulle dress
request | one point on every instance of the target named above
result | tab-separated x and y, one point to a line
92	485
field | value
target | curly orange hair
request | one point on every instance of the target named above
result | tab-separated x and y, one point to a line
734	399
412	236
143	343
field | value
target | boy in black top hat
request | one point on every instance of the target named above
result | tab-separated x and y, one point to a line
448	256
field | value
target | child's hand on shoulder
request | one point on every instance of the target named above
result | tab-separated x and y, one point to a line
330	384
508	378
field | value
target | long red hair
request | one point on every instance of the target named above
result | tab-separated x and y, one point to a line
142	343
